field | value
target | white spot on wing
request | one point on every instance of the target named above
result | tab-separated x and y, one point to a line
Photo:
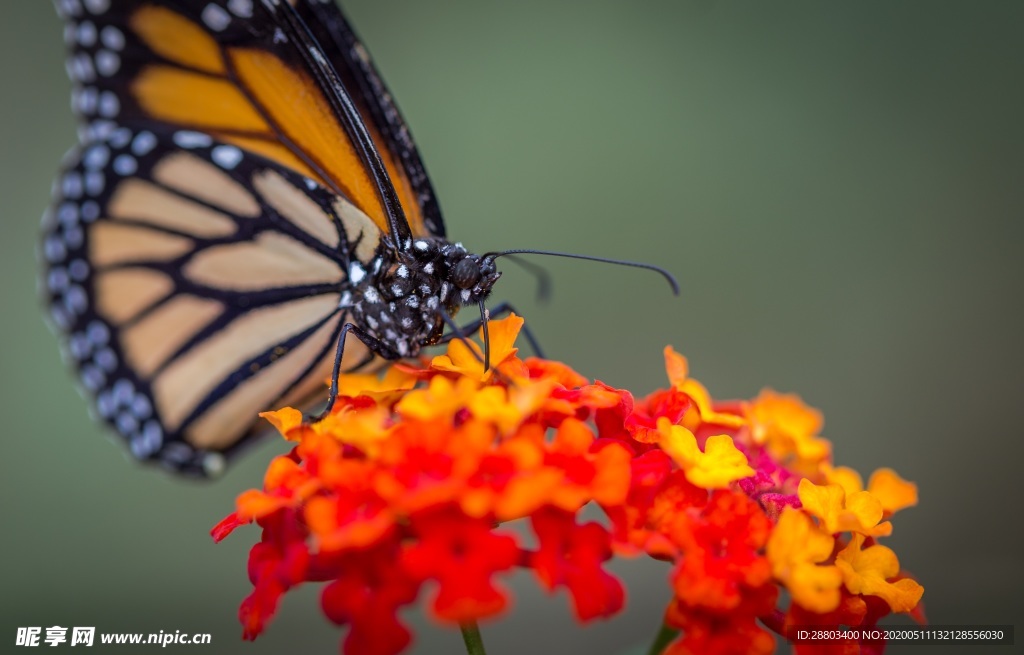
190	139
241	8
90	211
105	404
92	378
73	237
97	6
112	37
120	137
71	185
94	183
101	129
125	165
215	17
88	98
57	280
81	68
148	441
96	156
67	213
109	105
106	360
356	273
79	270
226	157
86	34
144	143
70	7
107	62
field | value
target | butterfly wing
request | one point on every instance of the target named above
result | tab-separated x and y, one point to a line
250	73
357	72
197	284
198	250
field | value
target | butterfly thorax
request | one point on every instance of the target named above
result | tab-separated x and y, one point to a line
400	300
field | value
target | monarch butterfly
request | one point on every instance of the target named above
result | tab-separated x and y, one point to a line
244	195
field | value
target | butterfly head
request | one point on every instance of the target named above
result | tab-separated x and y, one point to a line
403	304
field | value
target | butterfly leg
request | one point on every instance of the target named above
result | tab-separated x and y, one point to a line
375	346
498	310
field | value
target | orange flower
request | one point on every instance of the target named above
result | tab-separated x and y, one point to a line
873	571
858	512
401	491
797	550
719	465
467	359
788	428
892	491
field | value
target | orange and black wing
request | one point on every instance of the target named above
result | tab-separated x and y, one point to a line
251	73
359	76
206	232
195	285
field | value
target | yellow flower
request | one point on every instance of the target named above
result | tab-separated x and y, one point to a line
387	388
868	572
788	429
857	512
468	360
720	464
795	549
442	399
892	491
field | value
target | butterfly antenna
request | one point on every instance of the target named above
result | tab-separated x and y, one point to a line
539	272
604	260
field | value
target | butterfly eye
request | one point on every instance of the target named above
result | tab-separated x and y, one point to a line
466	273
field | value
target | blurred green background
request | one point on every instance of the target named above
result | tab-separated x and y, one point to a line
838	186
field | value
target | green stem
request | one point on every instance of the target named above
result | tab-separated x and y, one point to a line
471	635
664	638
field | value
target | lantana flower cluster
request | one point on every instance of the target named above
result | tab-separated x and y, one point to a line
405	491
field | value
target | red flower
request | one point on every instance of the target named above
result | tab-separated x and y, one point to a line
721	552
572	555
366	593
462	554
736	632
276	564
